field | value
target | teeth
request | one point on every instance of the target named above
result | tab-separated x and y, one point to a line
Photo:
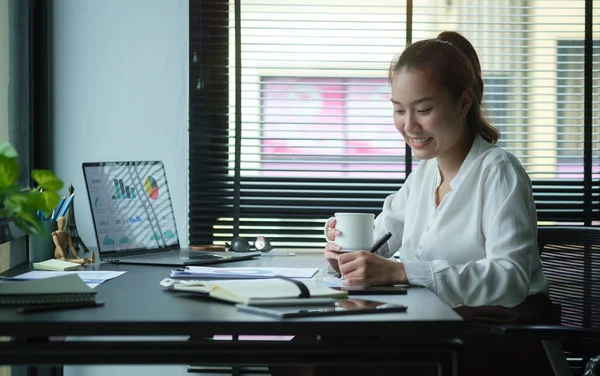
421	140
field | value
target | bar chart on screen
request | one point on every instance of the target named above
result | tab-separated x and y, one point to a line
122	191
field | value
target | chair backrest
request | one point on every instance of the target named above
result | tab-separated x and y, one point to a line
571	260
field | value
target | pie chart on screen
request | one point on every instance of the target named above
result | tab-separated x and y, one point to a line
151	187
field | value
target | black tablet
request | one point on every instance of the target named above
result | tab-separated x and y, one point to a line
341	307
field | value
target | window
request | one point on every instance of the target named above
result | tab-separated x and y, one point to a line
328	127
570	84
340	127
290	119
15	101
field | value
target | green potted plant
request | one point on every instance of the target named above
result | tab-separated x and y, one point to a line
22	205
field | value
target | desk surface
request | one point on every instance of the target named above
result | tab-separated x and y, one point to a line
135	304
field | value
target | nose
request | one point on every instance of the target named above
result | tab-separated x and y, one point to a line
410	123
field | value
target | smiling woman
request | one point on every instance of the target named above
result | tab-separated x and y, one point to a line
464	185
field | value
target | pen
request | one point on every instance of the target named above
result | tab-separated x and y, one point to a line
380	242
57	209
59	307
65	206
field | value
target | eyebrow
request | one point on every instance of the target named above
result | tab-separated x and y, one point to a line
420	100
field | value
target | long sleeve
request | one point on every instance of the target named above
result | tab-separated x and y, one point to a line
391	219
479	246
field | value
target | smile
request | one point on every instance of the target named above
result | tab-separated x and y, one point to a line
421	140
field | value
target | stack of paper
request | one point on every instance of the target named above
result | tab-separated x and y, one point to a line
54	264
205	272
91	277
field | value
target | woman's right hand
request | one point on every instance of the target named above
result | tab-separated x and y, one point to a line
331	252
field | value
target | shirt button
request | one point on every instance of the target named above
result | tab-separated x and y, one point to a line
434	215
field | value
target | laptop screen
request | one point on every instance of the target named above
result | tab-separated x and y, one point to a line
131	206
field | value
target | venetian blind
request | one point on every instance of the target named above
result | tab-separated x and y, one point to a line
290	119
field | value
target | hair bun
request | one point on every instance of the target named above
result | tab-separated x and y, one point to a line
463	45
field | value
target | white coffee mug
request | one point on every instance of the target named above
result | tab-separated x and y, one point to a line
356	231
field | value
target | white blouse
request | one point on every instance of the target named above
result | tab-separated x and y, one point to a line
479	246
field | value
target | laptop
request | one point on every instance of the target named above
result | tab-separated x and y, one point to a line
134	220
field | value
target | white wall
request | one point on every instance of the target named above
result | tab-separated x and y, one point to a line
119	92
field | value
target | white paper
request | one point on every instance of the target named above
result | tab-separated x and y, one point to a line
92	278
241	272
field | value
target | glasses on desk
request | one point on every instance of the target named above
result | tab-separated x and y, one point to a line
261	244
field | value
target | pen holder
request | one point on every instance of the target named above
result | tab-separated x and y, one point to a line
41	247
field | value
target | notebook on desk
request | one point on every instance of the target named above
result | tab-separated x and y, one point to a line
133	216
55	290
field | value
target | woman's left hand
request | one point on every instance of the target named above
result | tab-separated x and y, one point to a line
367	269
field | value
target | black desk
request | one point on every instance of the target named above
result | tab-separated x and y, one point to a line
136	305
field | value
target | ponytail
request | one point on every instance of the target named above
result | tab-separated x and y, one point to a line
475	116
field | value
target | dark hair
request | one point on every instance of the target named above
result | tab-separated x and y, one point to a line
452	62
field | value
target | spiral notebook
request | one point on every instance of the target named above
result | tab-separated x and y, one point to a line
55	290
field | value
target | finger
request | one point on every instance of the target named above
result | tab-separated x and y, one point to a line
329	255
346	257
350	281
346	263
332	232
352	267
332	247
331	223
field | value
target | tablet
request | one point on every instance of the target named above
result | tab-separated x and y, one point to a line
341	307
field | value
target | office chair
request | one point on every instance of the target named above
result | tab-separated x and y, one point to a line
571	260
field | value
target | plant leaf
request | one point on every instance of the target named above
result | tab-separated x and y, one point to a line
4	194
9	171
28	201
48	201
22	205
34	201
47	180
14	203
7	150
29	222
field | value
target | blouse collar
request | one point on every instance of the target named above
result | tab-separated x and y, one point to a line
478	147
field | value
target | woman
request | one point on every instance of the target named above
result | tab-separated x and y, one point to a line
464	222
464	185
